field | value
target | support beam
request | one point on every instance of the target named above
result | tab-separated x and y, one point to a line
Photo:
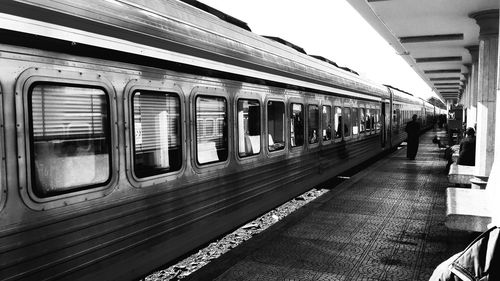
431	38
439	71
438	59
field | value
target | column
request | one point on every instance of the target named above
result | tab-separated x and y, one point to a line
487	85
493	186
472	108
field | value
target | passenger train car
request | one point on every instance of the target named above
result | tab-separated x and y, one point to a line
134	131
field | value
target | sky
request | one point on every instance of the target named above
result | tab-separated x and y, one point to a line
332	29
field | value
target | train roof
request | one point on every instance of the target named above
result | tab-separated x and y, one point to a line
176	31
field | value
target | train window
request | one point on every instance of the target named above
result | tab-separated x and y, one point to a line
377	123
276	125
248	127
347	121
70	137
369	120
297	125
338	122
355	121
157	126
326	120
211	129
362	120
313	123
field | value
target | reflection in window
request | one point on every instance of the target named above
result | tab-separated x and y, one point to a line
362	116
347	121
397	120
337	118
157	126
377	120
70	138
248	127
313	123
326	122
355	121
369	120
276	125
297	125
211	129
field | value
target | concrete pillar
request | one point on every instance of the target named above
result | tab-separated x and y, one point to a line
487	85
493	186
473	77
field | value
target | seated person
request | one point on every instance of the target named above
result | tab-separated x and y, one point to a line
467	154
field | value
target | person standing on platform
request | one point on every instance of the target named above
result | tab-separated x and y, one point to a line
413	131
467	156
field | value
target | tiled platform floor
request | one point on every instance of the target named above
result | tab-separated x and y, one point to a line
385	223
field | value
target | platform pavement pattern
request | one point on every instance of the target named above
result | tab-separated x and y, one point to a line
385	223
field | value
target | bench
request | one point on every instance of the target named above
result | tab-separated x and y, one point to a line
474	209
467	209
460	174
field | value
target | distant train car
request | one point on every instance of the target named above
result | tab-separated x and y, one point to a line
133	132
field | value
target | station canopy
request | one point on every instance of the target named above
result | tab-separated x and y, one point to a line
434	37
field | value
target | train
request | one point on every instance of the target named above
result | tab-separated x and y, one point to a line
134	131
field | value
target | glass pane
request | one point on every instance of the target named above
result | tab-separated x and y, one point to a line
313	124
362	120
276	125
211	129
355	121
326	122
297	125
71	141
157	126
338	122
347	121
248	127
377	120
369	120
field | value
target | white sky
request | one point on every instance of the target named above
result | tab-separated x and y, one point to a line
332	29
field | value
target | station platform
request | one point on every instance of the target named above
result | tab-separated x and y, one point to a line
384	223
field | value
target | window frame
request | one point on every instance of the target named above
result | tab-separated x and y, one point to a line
362	123
271	153
349	125
288	118
215	124
339	139
253	98
24	83
330	121
155	86
148	88
357	114
318	131
214	92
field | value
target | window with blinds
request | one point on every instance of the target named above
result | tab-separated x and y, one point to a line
211	129
70	137
157	127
